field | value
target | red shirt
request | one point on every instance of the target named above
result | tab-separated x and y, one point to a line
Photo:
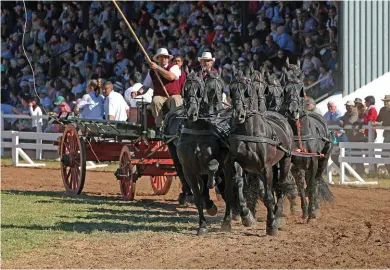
369	115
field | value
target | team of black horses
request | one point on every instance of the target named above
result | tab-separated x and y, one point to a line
251	149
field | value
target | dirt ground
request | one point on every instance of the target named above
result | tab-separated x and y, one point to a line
353	233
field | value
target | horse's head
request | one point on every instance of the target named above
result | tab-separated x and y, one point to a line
241	95
260	86
293	97
193	93
214	86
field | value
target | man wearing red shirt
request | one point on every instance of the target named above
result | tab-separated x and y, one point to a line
170	76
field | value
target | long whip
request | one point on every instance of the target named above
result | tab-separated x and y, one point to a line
139	44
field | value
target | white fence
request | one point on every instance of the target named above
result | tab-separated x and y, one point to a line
38	137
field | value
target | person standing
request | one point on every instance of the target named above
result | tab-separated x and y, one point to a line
91	105
384	117
169	74
115	106
370	115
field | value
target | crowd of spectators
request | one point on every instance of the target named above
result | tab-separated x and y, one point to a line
69	42
358	113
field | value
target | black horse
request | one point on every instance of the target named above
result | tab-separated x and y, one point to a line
257	143
202	147
311	135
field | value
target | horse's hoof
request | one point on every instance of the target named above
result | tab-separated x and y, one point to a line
201	231
312	221
280	223
248	220
226	227
212	211
236	217
182	200
272	231
190	199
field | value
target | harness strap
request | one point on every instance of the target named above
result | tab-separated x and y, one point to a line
198	132
253	139
298	123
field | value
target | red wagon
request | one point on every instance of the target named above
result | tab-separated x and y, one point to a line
132	144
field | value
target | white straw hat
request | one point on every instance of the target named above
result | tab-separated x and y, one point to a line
162	51
206	56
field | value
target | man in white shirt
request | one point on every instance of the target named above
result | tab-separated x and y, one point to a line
170	74
115	106
91	105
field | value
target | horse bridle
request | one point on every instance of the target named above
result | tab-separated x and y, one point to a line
193	94
247	83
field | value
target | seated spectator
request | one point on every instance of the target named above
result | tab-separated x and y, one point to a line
285	41
115	106
327	83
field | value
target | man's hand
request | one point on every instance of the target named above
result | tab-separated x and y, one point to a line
133	94
153	66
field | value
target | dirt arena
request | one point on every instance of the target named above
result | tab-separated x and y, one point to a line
353	233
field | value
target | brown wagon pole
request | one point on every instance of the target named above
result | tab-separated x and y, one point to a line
139	43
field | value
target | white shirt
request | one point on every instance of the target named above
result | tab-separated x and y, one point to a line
91	106
174	69
36	112
132	102
115	105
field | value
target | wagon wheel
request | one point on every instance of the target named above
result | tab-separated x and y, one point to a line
72	153
126	184
161	184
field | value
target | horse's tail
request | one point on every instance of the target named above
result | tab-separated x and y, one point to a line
324	193
212	168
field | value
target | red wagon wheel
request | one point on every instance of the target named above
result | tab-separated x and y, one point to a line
72	152
161	184
126	184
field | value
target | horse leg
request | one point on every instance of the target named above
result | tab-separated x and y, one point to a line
251	186
186	190
229	174
193	182
212	170
269	201
211	208
278	187
291	192
299	175
312	188
246	216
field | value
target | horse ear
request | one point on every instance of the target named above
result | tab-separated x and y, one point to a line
247	72
299	63
186	69
302	93
288	62
220	72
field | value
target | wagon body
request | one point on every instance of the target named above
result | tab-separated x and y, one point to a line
132	144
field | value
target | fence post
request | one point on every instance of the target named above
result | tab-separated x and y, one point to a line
342	166
38	152
371	139
15	144
1	138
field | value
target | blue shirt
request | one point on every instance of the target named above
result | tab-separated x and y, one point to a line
333	116
286	42
91	106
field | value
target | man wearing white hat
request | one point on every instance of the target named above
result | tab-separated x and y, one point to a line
206	62
169	74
